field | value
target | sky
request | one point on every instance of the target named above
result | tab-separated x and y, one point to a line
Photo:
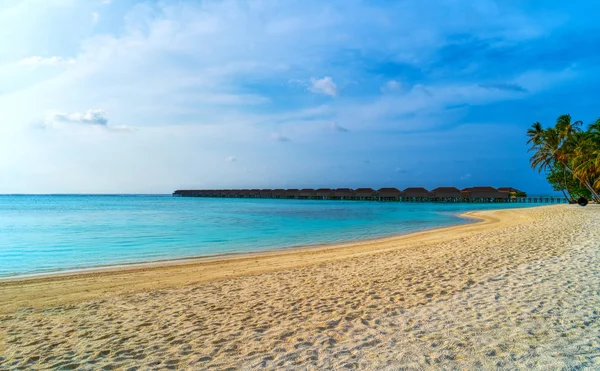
129	96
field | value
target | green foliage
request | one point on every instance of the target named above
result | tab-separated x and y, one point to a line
569	155
561	180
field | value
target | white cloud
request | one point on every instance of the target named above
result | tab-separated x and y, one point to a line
465	177
231	159
90	117
323	86
95	17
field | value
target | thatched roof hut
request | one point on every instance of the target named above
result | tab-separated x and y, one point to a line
486	192
389	192
503	195
365	192
447	192
324	192
243	193
224	192
279	192
417	192
307	193
343	193
291	193
266	193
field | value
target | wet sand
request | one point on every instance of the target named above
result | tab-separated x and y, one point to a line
519	289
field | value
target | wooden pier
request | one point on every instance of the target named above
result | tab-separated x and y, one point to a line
440	194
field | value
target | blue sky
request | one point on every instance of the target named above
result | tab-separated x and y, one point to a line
151	96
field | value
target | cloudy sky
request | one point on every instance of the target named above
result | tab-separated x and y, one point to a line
150	96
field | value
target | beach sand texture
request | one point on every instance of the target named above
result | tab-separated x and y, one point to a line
519	290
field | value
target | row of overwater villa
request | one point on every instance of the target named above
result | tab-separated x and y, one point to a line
416	194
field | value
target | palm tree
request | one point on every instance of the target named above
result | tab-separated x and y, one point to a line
535	133
586	161
566	128
544	144
594	135
563	143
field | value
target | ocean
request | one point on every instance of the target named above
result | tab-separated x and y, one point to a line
42	234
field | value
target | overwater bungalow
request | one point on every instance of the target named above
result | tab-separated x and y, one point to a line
365	194
447	194
266	193
486	194
254	193
503	195
417	194
278	193
242	193
291	193
307	193
343	194
324	193
389	194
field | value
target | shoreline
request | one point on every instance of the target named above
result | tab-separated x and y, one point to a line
116	268
473	296
466	218
70	287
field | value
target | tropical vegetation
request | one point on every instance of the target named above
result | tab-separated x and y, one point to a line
569	155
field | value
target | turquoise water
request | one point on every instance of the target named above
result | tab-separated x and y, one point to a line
41	234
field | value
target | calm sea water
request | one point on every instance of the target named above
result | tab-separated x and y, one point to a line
41	234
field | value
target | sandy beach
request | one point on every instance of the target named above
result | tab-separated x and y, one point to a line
519	289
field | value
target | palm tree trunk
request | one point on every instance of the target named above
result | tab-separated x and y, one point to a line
566	197
594	193
567	194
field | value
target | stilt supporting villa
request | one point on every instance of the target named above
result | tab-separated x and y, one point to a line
307	194
324	193
389	194
447	194
417	194
368	194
